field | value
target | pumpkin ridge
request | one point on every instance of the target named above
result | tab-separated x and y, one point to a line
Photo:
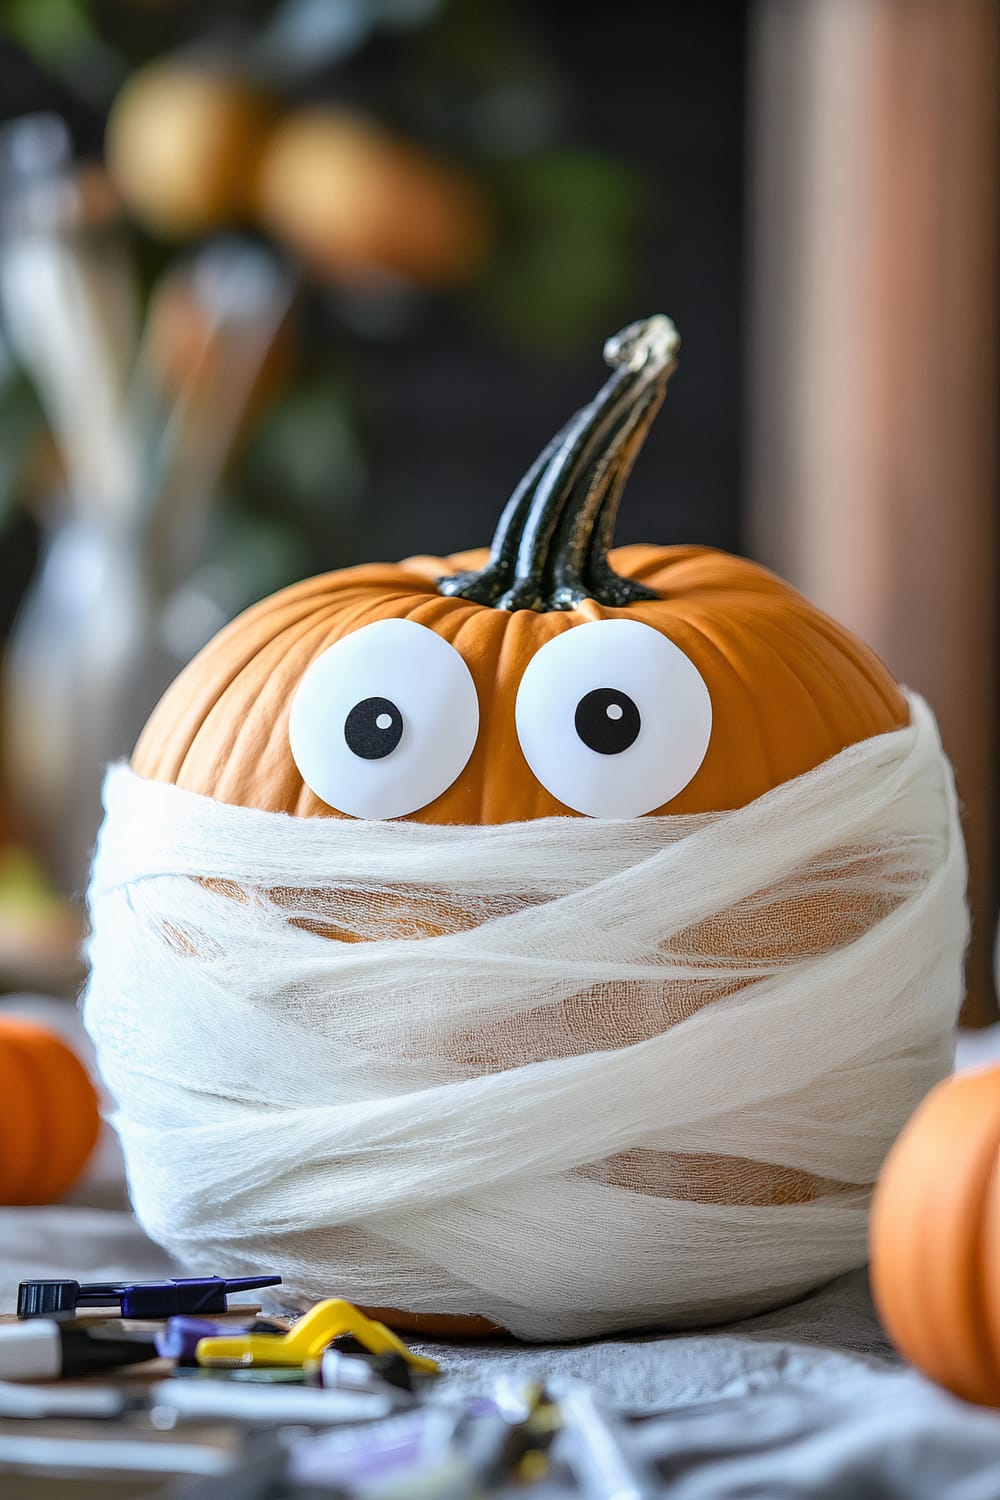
273	746
874	670
488	675
688	572
642	560
718	649
762	630
780	631
353	605
150	758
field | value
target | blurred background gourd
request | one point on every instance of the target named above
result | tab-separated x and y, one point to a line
935	1237
49	1117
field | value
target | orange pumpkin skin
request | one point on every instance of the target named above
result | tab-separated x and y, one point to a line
935	1237
49	1115
789	687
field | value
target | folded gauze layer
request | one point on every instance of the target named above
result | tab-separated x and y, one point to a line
573	1075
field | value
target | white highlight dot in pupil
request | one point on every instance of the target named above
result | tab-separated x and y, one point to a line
384	721
614	710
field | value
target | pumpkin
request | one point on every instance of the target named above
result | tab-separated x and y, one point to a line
744	685
356	201
182	144
935	1237
49	1117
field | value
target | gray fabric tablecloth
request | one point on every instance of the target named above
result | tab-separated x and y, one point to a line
805	1403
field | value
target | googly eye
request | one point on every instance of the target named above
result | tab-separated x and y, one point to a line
613	718
384	721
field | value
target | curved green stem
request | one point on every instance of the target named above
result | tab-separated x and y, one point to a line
550	550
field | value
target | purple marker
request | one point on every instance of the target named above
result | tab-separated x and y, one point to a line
180	1339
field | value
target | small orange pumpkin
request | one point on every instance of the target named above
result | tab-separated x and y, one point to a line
549	610
935	1237
49	1116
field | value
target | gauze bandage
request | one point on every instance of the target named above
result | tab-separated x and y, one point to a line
574	1075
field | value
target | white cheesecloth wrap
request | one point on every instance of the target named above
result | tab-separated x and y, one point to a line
738	1009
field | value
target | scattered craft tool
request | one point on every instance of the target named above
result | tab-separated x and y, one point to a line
45	1350
176	1400
181	1337
137	1299
342	1370
596	1451
38	1402
314	1332
433	1453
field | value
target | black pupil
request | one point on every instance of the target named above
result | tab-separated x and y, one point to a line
373	728
607	721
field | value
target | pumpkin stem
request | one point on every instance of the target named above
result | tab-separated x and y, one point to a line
550	549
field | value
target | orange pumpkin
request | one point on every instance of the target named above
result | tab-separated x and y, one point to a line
783	686
182	145
935	1237
355	201
49	1117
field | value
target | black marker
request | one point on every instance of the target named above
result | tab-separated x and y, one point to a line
44	1350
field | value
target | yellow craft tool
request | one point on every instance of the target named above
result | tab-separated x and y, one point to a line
307	1339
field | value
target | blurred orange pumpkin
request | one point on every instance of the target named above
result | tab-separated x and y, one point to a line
935	1237
49	1117
182	144
355	200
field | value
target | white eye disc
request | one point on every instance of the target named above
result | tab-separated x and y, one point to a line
384	721
613	718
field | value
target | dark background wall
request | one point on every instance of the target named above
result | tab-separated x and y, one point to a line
662	86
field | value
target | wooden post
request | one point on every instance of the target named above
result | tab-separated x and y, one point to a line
874	192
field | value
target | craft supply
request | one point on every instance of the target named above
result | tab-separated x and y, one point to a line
180	1338
373	995
306	1340
44	1350
49	1114
375	1457
251	1375
173	1400
434	1453
138	1299
338	1371
76	1457
260	1473
40	1401
597	1452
